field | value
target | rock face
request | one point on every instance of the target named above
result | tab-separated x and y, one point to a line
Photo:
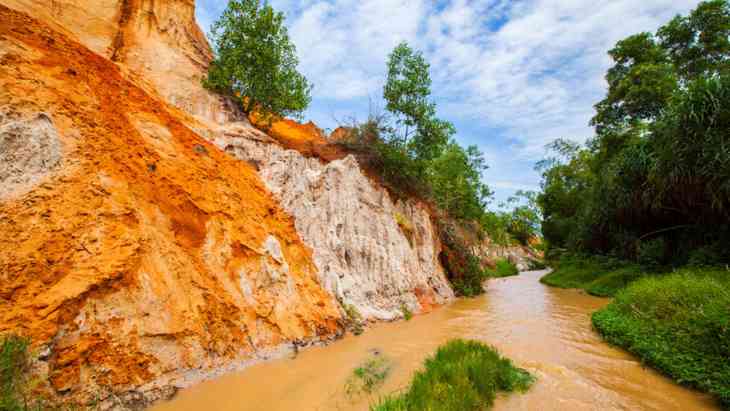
150	236
138	256
29	151
371	253
157	43
133	250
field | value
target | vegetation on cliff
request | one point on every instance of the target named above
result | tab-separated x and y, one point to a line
14	379
414	153
461	376
256	60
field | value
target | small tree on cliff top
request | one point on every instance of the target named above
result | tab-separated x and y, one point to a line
256	61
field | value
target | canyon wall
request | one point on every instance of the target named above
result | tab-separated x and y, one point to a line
134	252
141	257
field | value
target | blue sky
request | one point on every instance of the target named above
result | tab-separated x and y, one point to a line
511	75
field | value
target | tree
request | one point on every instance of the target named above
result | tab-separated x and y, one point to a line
455	179
657	170
255	60
407	91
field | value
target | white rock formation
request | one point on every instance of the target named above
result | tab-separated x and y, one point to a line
372	253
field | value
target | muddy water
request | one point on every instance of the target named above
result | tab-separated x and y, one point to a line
544	330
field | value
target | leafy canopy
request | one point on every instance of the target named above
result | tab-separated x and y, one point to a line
407	91
256	61
654	181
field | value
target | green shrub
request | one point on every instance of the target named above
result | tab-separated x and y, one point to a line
504	268
461	376
14	359
368	377
652	253
599	275
463	268
407	314
536	265
353	319
679	324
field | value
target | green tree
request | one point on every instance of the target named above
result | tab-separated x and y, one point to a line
657	171
455	178
407	93
255	60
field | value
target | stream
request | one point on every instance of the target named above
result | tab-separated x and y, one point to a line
544	330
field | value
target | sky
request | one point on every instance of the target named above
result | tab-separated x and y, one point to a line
512	76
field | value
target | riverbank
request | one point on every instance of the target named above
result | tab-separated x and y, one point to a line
546	331
677	322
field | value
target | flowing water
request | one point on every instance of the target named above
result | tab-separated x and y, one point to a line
545	330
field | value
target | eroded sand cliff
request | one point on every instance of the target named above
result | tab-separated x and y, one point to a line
150	236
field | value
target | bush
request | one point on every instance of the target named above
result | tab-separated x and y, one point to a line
652	253
678	324
463	268
368	377
14	359
504	268
256	62
599	275
461	376
407	314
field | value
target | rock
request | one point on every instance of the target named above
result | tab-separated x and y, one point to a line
30	150
364	256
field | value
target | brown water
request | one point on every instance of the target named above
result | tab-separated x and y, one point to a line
544	330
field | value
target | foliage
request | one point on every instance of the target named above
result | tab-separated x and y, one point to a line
15	386
653	184
524	221
463	269
369	376
407	314
461	376
256	61
678	324
536	265
504	268
353	318
407	91
455	181
598	275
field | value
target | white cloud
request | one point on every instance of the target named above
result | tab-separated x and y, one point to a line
531	69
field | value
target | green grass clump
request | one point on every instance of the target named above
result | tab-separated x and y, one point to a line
14	357
600	276
407	313
679	324
461	376
504	268
369	376
536	265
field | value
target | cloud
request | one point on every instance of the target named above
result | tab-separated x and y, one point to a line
511	74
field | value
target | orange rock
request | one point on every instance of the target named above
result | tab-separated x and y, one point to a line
146	251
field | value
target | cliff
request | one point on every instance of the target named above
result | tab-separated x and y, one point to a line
150	236
133	249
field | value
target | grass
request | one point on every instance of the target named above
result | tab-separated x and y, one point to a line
368	377
407	314
353	319
678	324
600	276
504	268
461	376
14	383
